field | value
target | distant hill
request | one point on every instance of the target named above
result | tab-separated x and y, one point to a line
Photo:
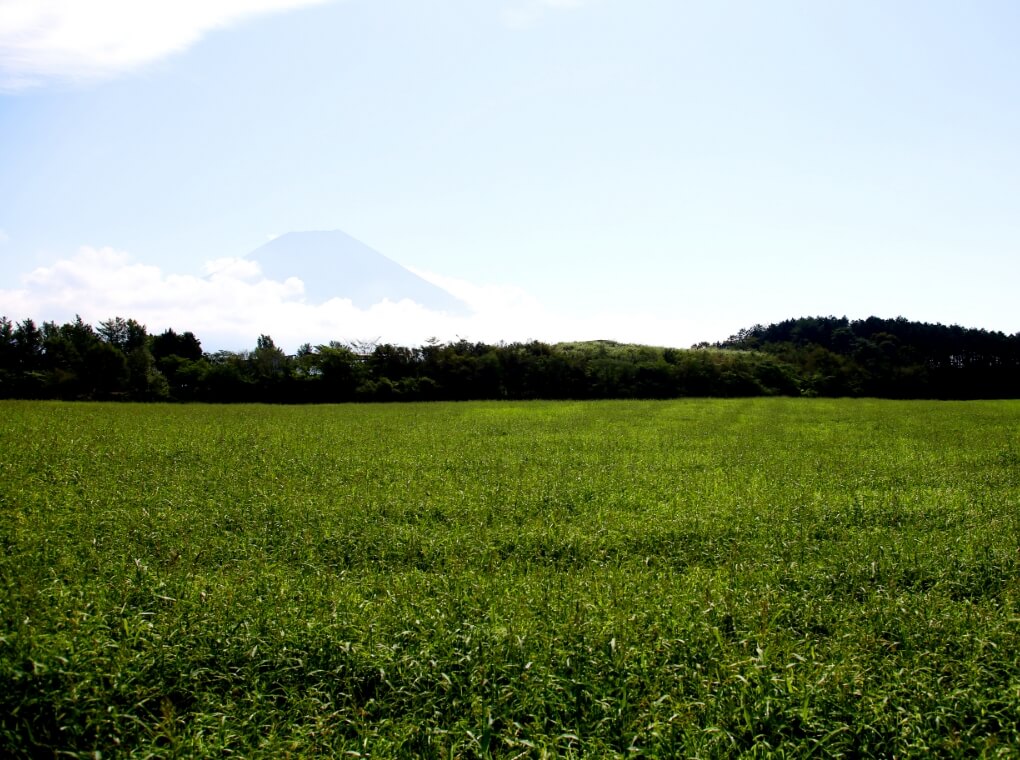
334	265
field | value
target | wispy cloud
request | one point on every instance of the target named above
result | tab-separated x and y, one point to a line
75	40
4	237
233	303
520	14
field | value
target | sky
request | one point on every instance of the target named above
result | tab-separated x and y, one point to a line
652	171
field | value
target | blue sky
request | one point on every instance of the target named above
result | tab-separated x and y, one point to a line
660	172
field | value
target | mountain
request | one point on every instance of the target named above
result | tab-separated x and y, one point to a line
334	265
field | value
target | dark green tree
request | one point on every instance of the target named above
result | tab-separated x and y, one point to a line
169	343
124	334
341	371
105	370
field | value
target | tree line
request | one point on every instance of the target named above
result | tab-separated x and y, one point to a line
889	358
828	356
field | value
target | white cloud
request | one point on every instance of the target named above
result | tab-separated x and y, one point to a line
520	14
233	303
241	269
83	40
4	237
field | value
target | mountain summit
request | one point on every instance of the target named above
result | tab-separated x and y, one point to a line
334	265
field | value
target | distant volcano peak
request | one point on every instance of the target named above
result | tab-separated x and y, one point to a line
332	264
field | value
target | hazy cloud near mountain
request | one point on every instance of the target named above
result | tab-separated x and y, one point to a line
233	303
74	40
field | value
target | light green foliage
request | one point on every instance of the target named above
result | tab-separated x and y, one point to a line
769	577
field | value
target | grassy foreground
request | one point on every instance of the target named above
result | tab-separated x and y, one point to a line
763	577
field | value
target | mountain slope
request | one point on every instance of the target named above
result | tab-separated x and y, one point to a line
332	264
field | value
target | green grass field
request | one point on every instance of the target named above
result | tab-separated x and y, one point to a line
770	577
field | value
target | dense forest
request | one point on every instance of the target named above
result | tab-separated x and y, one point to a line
816	356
